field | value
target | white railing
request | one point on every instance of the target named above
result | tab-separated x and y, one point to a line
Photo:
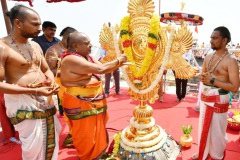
199	52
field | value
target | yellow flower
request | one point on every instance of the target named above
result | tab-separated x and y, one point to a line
116	145
236	112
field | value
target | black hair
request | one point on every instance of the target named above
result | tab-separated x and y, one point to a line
48	24
18	12
224	32
69	47
67	30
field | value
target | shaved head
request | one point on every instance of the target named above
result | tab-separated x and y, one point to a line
79	42
74	38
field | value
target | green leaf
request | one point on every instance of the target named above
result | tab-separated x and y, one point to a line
187	129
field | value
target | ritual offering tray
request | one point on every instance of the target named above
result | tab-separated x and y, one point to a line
234	119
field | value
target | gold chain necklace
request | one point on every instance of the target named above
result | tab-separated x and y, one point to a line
215	65
28	61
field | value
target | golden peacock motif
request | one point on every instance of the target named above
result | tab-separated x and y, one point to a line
107	43
181	44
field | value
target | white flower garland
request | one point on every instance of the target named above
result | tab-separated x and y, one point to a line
142	126
160	73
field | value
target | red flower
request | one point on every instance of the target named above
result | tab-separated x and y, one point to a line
138	78
152	46
127	43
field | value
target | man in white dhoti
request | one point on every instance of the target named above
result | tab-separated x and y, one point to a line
29	84
219	76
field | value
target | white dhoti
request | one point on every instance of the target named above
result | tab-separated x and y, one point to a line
35	120
199	94
213	109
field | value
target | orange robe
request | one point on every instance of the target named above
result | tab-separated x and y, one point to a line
60	95
86	108
62	88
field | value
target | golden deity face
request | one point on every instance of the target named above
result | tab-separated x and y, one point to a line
176	46
140	44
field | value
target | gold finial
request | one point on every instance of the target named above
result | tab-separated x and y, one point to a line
182	5
141	8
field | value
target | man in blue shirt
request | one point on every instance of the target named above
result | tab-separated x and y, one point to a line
47	39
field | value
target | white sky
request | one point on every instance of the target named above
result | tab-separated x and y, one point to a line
90	15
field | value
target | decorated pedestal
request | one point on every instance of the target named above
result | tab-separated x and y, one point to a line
143	139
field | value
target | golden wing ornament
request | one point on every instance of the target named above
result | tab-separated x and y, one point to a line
107	43
181	44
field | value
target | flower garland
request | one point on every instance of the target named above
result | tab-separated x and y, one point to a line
158	77
117	138
152	44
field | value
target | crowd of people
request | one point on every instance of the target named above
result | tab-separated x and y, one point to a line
48	66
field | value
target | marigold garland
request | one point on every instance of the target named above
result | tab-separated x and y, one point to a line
159	75
117	138
152	44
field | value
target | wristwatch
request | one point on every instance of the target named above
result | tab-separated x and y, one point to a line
212	81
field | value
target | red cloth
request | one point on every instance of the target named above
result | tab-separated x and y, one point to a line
206	126
52	1
48	1
7	127
196	29
29	1
214	98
